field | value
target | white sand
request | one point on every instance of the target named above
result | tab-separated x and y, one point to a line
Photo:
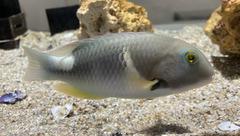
197	112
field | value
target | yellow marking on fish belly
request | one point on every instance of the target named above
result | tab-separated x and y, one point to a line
134	76
72	91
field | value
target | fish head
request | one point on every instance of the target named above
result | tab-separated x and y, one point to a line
183	69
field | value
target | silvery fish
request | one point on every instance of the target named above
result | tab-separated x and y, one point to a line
124	65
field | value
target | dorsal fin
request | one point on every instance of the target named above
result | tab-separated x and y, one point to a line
64	50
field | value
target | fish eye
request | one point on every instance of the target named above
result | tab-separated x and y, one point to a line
191	57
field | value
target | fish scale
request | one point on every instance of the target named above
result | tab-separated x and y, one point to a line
104	68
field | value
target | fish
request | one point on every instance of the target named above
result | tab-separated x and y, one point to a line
131	65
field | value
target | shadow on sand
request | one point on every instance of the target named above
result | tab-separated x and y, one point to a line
159	128
228	66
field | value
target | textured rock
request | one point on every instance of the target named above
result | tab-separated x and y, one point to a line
223	27
102	16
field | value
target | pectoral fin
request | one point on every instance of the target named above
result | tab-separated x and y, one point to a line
149	84
145	84
134	76
72	91
161	83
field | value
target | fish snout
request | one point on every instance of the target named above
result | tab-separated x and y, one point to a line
207	75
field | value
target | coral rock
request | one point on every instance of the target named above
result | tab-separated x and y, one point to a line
223	27
102	16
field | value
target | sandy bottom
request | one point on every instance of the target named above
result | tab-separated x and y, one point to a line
198	111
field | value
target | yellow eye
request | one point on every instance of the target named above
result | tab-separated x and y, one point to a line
191	57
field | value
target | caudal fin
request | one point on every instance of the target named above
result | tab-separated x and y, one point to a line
35	70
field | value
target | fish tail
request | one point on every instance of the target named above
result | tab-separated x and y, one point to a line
36	60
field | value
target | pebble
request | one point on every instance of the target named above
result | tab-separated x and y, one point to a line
61	112
228	126
12	98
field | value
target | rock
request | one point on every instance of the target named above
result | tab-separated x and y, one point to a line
43	40
223	27
98	17
61	112
228	126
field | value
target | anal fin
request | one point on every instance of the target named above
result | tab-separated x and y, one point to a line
73	91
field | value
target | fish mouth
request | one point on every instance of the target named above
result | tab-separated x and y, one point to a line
160	84
194	86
